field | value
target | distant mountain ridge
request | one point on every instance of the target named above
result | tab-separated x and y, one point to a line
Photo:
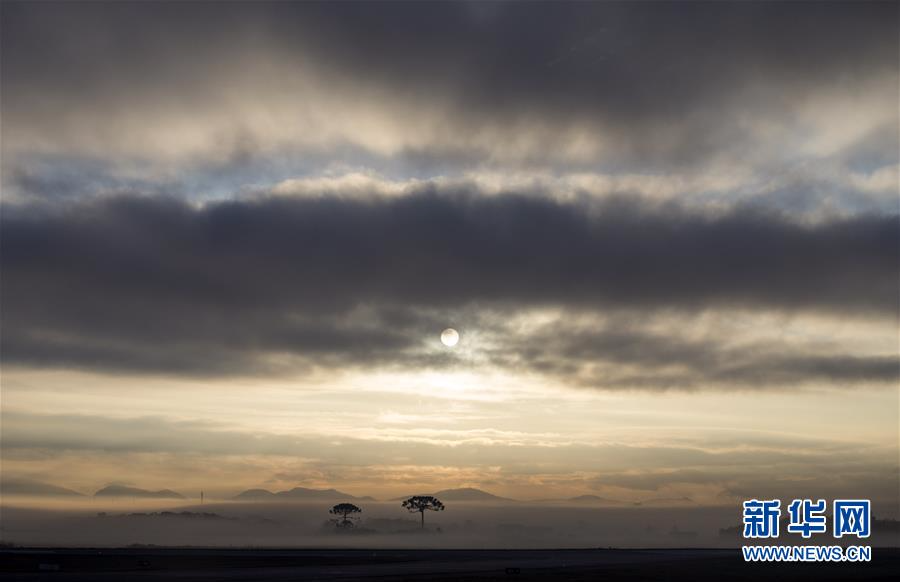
593	499
297	493
665	501
254	494
123	491
17	487
462	494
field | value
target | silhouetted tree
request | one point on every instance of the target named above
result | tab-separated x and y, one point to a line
345	511
422	503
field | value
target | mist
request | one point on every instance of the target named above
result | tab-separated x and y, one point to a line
91	522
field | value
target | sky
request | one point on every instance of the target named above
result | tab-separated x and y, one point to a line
667	234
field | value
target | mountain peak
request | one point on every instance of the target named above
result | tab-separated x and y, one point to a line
24	487
296	493
123	491
592	499
463	494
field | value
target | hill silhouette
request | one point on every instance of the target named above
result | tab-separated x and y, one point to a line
593	499
299	493
16	487
663	501
123	491
462	494
253	494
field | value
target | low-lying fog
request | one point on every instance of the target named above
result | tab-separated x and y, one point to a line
100	522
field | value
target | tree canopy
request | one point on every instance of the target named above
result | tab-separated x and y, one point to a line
421	504
345	511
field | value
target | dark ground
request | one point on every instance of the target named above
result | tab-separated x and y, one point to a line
195	565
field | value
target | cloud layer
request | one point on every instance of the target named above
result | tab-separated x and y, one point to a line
231	234
157	284
436	87
722	472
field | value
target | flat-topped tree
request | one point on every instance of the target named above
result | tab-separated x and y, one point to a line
421	504
345	511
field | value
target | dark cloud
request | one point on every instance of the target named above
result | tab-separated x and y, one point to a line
156	284
629	358
668	83
94	94
625	62
556	56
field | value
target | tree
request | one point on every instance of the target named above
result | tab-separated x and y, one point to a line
345	511
422	503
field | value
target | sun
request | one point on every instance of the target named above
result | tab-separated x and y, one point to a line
449	337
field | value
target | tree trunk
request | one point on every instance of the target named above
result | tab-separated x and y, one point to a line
423	519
